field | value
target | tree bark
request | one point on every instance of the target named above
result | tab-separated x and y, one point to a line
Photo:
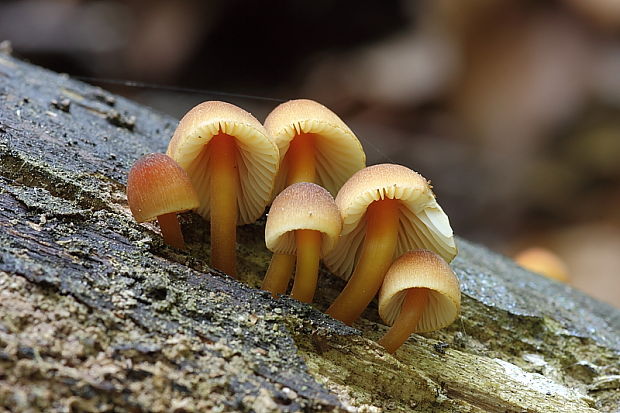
97	314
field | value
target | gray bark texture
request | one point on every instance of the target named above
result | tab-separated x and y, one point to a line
97	314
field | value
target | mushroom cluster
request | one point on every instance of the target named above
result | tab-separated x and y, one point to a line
384	232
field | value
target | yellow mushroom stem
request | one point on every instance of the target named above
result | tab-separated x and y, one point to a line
278	274
308	243
405	324
301	159
224	182
171	230
375	258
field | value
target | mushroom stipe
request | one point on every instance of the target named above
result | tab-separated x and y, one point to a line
301	159
307	268
279	274
171	230
376	256
414	304
224	183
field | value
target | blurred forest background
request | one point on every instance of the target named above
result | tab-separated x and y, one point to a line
510	107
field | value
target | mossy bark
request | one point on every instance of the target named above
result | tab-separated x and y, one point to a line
97	314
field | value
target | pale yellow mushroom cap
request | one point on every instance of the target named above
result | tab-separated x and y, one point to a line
339	152
302	206
421	269
257	155
422	222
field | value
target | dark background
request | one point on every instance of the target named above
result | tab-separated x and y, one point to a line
510	107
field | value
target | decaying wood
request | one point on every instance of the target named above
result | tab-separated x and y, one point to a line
97	314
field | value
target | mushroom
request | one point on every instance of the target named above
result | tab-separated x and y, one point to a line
420	294
232	163
303	221
157	187
544	262
315	145
386	210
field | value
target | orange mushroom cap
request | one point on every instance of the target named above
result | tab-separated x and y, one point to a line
156	186
544	262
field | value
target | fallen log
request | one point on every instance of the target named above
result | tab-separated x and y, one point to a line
97	314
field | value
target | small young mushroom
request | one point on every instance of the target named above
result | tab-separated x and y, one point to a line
303	221
544	262
420	293
386	210
157	187
232	163
315	145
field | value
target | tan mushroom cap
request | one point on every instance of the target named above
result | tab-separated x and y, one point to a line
302	206
157	185
422	223
339	152
421	269
257	155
